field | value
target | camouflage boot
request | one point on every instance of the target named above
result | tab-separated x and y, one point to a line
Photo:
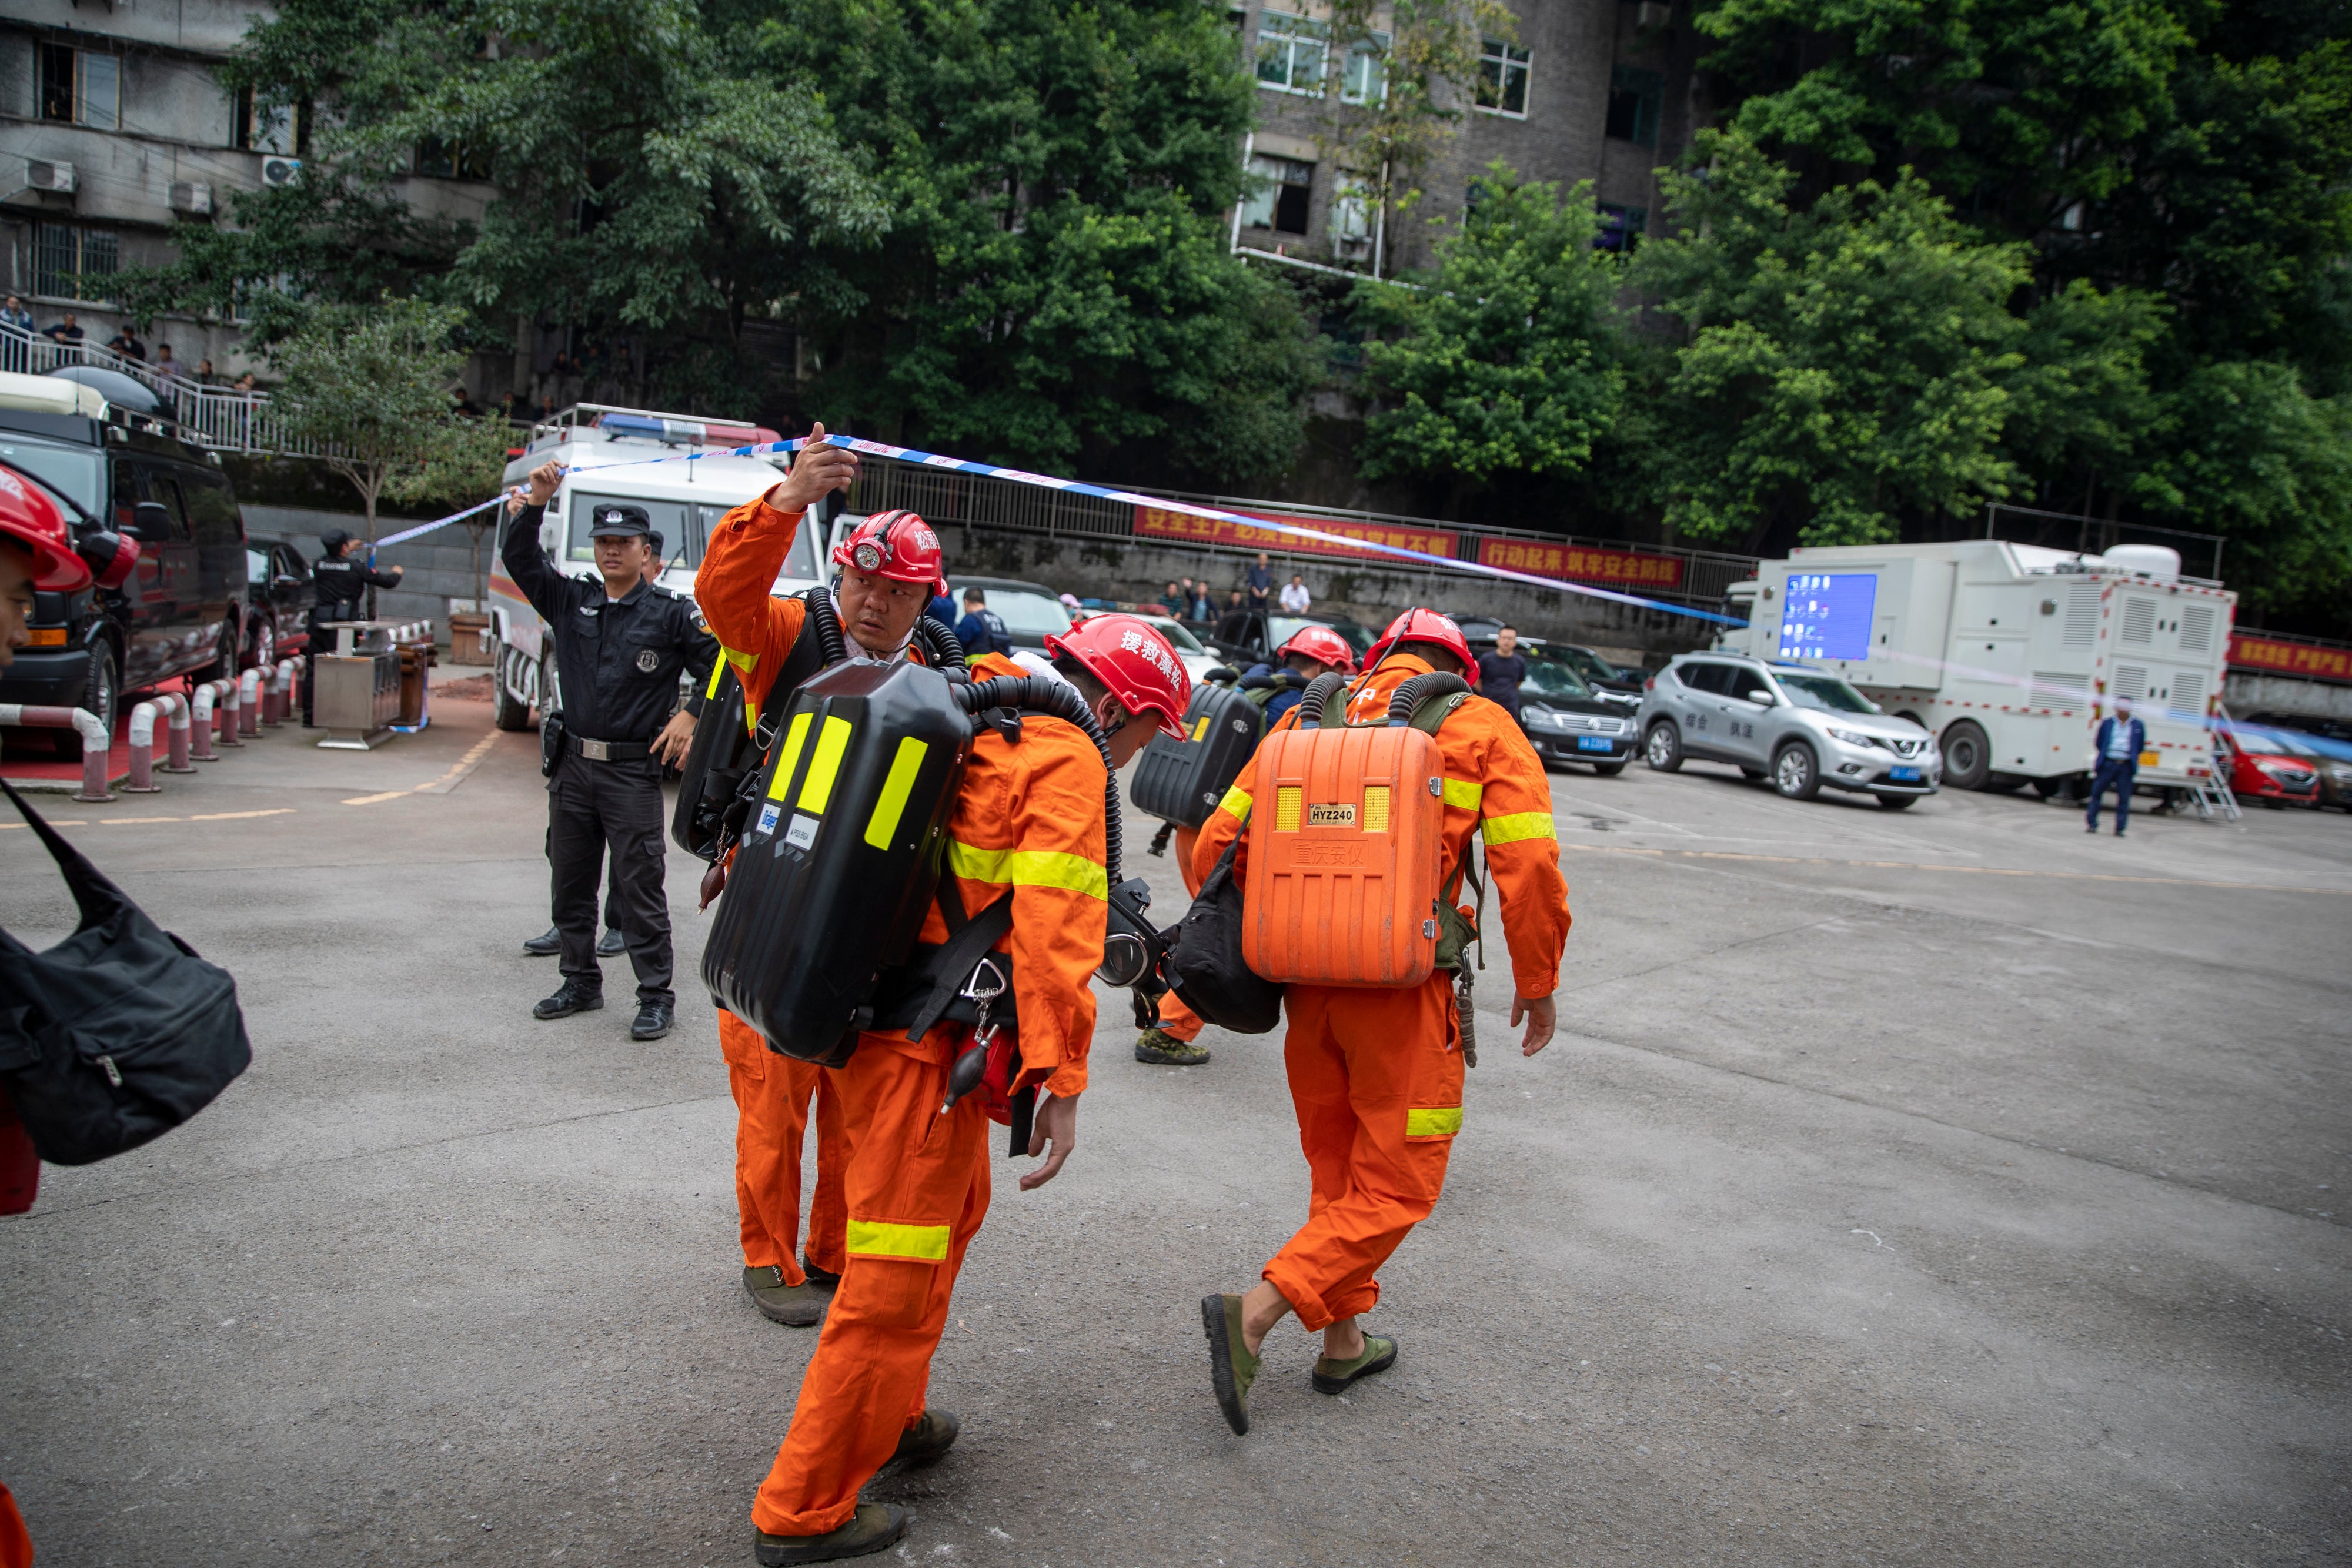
1159	1047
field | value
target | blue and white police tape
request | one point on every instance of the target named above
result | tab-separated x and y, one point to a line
1079	488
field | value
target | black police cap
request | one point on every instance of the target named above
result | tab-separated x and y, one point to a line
613	522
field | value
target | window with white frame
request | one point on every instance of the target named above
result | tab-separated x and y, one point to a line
1279	201
1503	72
1291	52
1351	215
1365	78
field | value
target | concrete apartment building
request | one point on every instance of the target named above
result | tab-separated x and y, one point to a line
113	127
1590	89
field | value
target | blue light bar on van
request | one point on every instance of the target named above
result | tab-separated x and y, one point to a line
686	432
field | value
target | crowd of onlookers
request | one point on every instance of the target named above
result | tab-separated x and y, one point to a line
1195	601
67	331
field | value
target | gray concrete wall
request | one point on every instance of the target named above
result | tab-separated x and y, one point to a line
1131	570
2249	693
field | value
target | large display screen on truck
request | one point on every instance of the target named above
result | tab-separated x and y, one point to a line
1827	616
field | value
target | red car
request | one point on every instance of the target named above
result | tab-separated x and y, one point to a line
2274	777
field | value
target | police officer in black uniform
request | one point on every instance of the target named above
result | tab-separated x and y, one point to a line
343	582
620	644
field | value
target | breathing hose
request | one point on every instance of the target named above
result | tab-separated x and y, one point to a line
830	649
1036	694
944	647
1318	692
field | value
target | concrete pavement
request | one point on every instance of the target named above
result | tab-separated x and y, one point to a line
1942	1186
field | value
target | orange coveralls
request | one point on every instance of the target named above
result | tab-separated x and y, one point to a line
1375	1074
756	633
1027	818
1176	1020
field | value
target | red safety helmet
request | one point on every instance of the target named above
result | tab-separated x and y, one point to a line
28	517
1422	626
1323	645
899	545
1129	657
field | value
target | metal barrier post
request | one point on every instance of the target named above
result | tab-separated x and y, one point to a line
201	715
224	713
173	706
96	743
248	694
142	752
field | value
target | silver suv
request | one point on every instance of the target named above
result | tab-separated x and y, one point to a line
1795	726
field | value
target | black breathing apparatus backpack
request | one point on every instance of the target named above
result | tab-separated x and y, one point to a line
1181	781
816	934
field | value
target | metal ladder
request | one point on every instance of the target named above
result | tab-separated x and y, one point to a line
2211	794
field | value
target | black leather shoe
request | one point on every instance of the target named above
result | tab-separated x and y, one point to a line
573	998
873	1528
546	947
612	944
654	1020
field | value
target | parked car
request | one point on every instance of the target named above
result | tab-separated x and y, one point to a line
105	448
1262	634
1029	610
279	587
2264	767
2327	736
1596	672
1567	721
1799	727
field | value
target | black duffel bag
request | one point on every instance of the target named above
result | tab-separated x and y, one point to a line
117	1034
1204	963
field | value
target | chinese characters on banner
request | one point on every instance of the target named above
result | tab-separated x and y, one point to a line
2291	658
1581	563
1154	522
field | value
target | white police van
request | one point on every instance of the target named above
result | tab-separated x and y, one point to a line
604	451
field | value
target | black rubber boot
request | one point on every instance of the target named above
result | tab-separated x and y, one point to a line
573	998
874	1526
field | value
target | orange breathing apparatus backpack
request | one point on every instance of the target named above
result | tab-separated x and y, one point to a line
1347	845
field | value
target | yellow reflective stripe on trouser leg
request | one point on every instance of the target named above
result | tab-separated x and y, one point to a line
913	1243
1030	868
1464	793
1517	825
1237	803
1430	1121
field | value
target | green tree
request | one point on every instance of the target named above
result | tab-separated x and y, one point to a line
372	387
1405	70
1055	290
1511	360
1855	362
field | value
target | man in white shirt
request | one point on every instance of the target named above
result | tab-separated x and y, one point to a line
1294	595
2116	746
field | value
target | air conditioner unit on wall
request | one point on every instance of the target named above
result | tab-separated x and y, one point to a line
193	199
280	170
56	178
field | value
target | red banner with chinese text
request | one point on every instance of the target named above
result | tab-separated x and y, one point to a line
2279	657
1583	563
1155	522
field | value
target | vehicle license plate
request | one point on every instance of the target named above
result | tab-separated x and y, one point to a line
1591	743
1904	775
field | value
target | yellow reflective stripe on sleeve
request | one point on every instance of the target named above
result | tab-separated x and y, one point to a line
1437	1122
1517	825
1237	803
914	1243
824	764
1464	793
895	790
717	673
796	733
1030	868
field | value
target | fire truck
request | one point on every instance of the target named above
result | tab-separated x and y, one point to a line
606	454
2010	654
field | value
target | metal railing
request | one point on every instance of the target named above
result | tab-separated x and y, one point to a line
220	417
977	499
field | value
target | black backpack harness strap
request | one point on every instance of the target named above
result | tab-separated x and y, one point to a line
961	981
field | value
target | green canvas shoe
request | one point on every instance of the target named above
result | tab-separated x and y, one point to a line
927	1438
794	1306
1334	1377
1231	1368
1162	1049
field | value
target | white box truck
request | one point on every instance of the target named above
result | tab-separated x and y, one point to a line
2010	654
605	449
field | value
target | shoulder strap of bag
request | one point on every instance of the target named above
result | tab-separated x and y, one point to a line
953	963
95	897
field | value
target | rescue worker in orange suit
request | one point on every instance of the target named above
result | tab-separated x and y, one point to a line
1315	649
1375	1075
1028	820
760	637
